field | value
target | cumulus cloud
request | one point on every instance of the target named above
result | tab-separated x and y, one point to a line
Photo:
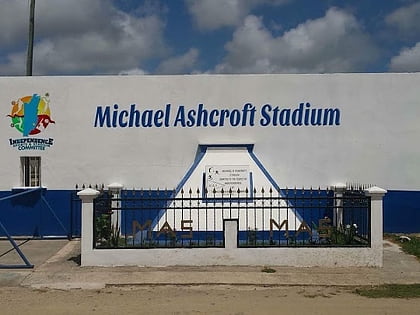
179	64
134	71
214	14
78	36
407	61
406	19
333	43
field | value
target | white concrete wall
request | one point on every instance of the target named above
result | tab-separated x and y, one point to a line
374	143
298	257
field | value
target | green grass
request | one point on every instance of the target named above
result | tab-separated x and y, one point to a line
396	290
410	247
401	291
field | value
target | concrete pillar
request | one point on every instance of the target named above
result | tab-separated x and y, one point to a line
376	195
231	233
339	190
115	189
87	196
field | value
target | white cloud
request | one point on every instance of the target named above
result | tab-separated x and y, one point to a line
78	36
134	71
333	43
179	64
406	19
214	14
407	61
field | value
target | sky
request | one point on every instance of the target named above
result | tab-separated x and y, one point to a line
131	37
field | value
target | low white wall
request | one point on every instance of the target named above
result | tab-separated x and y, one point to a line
230	255
298	257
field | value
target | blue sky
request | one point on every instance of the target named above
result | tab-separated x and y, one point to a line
102	37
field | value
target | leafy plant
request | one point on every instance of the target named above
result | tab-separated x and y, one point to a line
115	236
344	235
103	229
107	234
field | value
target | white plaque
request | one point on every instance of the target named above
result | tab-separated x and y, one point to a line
227	177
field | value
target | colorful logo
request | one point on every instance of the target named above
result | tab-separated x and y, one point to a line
31	114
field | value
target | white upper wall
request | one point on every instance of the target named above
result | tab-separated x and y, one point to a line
375	142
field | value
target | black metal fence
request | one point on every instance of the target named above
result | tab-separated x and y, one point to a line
266	218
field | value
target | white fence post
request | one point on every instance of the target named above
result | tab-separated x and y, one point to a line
115	189
339	190
231	233
376	195
87	196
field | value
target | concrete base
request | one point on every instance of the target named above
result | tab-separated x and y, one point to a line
298	257
62	272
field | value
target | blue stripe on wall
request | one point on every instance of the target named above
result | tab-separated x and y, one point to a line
402	211
31	217
32	214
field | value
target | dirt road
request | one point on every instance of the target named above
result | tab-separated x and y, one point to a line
199	300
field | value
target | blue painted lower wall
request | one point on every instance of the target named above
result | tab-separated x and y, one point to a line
44	213
402	211
40	213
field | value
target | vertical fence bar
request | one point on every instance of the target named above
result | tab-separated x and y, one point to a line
206	211
279	213
263	207
197	207
214	215
287	211
190	210
246	209
231	204
255	216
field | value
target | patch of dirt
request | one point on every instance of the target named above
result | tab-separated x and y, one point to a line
199	300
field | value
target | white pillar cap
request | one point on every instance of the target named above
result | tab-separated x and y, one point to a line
115	186
338	186
375	191
88	194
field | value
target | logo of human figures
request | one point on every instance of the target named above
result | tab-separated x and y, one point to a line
31	114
